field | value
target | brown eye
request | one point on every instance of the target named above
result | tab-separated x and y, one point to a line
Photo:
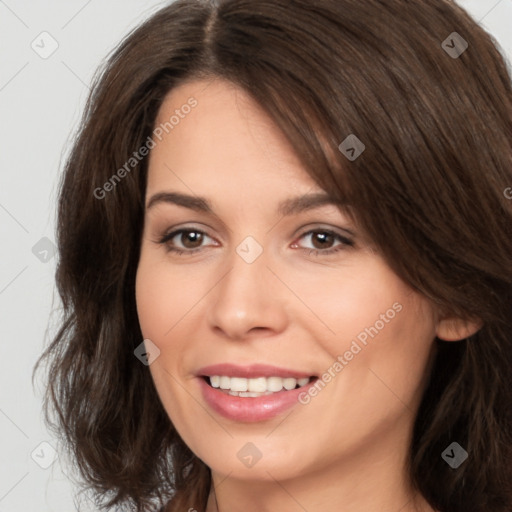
322	240
184	241
191	239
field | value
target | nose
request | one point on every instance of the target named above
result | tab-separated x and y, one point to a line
248	300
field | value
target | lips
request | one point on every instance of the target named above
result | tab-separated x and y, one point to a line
251	371
248	408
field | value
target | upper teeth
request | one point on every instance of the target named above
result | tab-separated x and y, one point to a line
257	385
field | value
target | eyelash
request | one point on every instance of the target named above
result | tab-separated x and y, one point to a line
345	242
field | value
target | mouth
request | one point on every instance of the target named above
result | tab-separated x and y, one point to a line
256	386
252	393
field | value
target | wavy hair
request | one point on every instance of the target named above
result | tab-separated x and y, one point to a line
432	189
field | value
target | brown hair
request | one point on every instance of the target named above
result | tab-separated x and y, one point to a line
429	190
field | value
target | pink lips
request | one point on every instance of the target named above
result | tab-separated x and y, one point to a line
251	371
250	409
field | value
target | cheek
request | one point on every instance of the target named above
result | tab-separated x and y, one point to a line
381	328
148	298
386	359
354	303
161	303
163	295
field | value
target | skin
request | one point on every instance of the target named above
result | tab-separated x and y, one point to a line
345	449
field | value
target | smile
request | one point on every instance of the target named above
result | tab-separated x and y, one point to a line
255	387
251	393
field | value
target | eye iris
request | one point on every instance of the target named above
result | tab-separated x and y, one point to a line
325	238
193	237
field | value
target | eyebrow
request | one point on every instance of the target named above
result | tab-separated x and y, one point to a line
291	206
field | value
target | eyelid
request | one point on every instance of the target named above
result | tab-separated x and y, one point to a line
347	241
314	226
171	233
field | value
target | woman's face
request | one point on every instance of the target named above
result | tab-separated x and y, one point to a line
298	292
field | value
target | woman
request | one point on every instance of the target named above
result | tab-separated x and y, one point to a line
285	244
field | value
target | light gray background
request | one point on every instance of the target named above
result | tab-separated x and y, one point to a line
40	105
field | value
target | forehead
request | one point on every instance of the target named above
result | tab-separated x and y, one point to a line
224	139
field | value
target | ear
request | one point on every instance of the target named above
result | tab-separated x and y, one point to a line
453	328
